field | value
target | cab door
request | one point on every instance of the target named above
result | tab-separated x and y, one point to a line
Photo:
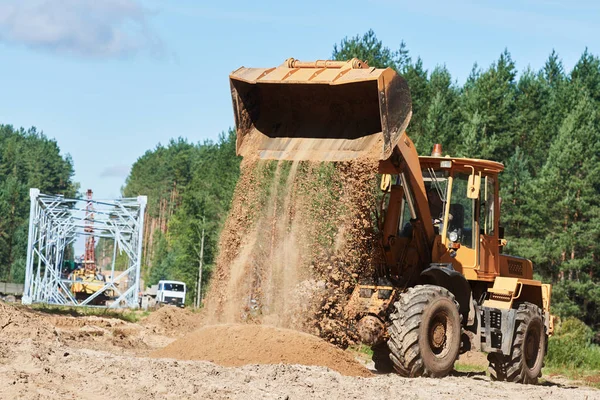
460	220
488	226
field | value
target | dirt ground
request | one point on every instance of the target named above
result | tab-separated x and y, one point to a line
47	356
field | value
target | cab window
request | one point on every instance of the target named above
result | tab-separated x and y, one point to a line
486	209
404	226
461	217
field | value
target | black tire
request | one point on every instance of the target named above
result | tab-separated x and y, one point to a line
496	367
425	332
524	365
381	358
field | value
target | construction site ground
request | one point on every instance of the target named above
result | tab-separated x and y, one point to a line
171	354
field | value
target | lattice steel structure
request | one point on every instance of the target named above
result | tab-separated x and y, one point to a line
55	223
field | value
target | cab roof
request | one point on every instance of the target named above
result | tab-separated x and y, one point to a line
178	282
488	165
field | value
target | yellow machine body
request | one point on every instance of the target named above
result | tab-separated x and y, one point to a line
86	283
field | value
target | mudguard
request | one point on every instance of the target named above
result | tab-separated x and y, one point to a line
447	277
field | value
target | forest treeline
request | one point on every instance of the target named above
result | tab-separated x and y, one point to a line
544	125
28	159
189	188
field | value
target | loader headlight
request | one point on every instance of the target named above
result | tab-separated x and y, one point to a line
453	236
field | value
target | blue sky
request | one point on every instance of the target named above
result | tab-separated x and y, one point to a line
110	79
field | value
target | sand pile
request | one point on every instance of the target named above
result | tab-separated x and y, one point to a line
18	323
172	321
34	365
243	344
22	325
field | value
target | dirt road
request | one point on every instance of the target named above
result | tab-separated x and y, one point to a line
46	356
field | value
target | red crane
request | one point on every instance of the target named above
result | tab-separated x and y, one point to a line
89	258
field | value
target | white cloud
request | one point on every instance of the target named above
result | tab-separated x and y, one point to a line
93	28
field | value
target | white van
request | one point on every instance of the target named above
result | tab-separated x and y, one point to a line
171	292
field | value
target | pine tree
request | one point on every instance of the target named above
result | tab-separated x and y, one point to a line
417	78
489	101
586	73
370	49
27	159
569	182
442	118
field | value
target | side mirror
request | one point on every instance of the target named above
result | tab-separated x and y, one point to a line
474	185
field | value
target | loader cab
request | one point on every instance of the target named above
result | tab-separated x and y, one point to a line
467	234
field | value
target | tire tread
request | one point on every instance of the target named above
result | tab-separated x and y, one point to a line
404	329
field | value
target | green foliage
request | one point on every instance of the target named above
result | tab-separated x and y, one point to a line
488	109
361	349
571	347
189	188
368	48
545	127
124	314
27	159
469	368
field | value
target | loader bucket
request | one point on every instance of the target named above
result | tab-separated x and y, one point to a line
321	111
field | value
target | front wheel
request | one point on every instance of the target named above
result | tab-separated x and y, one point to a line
425	333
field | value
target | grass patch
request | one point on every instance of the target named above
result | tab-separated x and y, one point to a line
125	315
589	378
468	368
361	351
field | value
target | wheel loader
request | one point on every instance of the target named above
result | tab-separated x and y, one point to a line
445	286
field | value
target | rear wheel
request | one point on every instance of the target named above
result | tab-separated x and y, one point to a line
496	367
425	332
525	363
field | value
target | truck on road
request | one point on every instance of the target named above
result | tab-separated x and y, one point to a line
171	292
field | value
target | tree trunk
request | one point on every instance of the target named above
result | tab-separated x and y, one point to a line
200	265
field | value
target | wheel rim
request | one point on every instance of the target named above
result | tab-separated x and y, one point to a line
440	333
532	346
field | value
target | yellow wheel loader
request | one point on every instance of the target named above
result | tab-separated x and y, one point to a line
85	283
445	286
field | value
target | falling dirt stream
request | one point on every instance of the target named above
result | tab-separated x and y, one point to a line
299	237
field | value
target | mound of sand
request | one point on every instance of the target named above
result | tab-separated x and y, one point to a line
172	321
238	344
17	322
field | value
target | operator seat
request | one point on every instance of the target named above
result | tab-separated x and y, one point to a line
458	217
